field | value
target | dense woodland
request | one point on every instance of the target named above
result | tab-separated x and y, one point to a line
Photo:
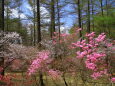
57	42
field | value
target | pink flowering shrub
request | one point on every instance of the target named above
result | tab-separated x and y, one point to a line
5	80
59	38
93	51
41	63
113	79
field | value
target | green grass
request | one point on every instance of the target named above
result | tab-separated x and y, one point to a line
21	80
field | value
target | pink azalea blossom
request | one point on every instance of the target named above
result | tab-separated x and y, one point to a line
79	29
96	75
89	65
113	48
101	37
38	62
81	54
90	34
54	42
54	74
109	44
113	79
63	35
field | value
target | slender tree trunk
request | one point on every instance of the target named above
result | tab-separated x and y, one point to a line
52	17
79	17
58	10
19	23
92	14
34	25
1	54
0	15
107	7
82	24
101	2
107	10
7	18
2	64
39	37
88	21
31	29
38	21
65	82
3	15
41	80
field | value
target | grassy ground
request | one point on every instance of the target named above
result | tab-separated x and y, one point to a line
20	79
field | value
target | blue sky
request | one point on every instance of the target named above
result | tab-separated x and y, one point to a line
68	19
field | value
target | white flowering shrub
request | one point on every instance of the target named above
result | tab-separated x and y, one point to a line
11	49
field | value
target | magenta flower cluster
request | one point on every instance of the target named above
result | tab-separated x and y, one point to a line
41	64
90	51
38	62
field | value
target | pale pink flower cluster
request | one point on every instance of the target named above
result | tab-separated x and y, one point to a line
113	79
63	34
54	73
79	29
95	75
109	44
38	62
56	38
90	34
98	74
90	51
81	54
101	37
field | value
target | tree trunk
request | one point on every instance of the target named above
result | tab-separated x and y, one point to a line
31	29
34	25
88	21
39	37
41	80
19	13
92	13
52	17
79	17
2	56
107	7
2	15
7	18
58	11
101	2
38	21
64	80
2	64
